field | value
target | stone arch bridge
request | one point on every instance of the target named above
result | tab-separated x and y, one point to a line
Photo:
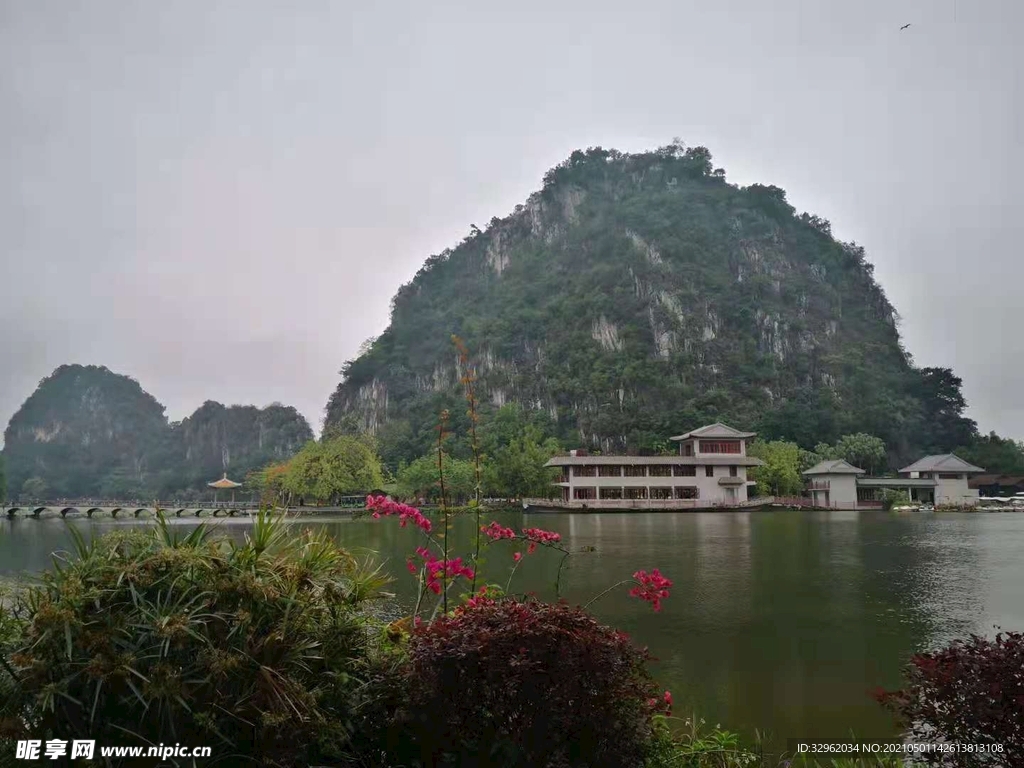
109	508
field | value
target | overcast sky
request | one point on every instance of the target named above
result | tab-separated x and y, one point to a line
220	198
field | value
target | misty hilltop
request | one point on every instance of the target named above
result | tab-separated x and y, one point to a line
87	431
639	295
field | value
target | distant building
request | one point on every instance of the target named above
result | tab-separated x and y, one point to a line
833	484
710	470
997	485
939	480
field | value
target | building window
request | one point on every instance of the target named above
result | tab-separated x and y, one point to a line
687	492
661	493
584	471
948	476
685	470
709	471
925	475
732	471
611	493
584	493
720	446
636	493
688	449
659	470
608	470
632	470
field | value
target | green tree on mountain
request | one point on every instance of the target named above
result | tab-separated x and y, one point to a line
994	454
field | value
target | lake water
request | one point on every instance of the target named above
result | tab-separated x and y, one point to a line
779	621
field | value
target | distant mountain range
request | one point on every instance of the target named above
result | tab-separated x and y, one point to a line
87	431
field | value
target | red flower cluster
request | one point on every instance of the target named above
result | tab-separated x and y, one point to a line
481	598
495	531
652	587
381	505
665	704
537	536
436	568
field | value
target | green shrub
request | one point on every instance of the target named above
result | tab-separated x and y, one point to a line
509	683
259	649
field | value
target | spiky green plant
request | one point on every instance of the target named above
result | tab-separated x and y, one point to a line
259	648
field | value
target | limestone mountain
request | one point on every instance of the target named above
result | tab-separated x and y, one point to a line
234	439
637	295
87	431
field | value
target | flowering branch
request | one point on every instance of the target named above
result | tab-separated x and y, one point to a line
468	380
438	574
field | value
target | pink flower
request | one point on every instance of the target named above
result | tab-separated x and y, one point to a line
411	566
517	556
382	505
496	531
542	537
652	587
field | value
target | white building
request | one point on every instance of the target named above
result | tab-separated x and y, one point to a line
710	470
941	480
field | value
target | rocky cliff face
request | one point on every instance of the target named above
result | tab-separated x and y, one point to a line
234	439
635	296
87	431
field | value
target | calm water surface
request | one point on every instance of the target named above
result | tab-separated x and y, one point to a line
778	621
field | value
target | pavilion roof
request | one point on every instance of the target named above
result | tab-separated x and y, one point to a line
224	483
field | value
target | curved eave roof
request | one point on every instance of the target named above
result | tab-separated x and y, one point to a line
718	430
948	462
834	467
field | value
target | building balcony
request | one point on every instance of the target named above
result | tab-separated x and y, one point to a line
732	481
819	485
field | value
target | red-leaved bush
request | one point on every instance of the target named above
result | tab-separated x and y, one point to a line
524	683
971	692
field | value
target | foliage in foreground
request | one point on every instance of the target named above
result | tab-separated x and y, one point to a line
256	648
971	692
524	683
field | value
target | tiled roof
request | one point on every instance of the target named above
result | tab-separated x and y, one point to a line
942	463
717	461
716	430
834	467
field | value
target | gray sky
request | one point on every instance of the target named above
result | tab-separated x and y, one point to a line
220	198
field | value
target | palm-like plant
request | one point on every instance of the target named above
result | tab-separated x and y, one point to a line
259	647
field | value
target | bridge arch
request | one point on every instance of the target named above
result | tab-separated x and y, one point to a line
89	511
13	511
115	510
64	512
178	513
141	510
38	511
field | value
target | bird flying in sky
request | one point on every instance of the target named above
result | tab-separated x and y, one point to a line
904	27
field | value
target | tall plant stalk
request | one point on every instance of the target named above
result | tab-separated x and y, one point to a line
444	504
468	381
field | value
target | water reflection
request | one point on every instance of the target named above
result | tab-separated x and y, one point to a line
779	620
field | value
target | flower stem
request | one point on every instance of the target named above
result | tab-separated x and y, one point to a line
613	586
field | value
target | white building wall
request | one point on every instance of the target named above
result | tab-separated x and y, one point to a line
842	491
957	492
710	492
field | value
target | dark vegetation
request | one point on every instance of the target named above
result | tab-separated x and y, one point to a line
638	295
523	684
971	692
